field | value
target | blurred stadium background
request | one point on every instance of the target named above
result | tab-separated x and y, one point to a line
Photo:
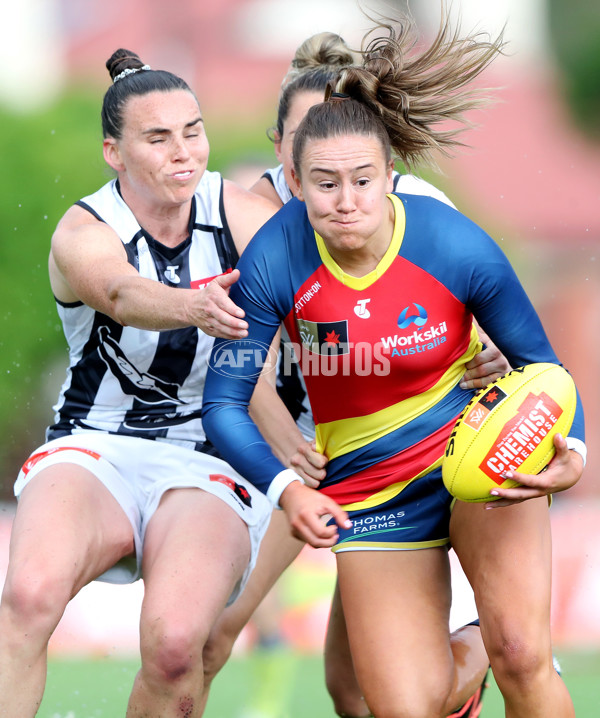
530	177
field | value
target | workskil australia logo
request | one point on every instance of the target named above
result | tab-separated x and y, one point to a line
423	336
419	319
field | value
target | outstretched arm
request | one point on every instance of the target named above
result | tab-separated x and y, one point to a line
504	311
88	263
264	292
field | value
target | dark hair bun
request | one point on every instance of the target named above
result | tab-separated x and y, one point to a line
121	60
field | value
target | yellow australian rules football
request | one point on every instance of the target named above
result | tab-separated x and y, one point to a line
508	426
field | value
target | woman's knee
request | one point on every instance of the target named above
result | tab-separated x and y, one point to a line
35	599
412	695
517	662
171	648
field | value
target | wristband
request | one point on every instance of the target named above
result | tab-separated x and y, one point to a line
280	482
577	445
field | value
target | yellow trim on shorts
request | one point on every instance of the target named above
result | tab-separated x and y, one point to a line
390	491
386	261
383	546
336	438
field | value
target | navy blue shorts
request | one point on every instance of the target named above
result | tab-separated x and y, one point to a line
417	517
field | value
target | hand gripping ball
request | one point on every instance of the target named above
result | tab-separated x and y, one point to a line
508	426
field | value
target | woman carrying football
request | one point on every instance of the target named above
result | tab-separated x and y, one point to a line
313	67
379	291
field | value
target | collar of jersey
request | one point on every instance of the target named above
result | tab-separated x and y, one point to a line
384	263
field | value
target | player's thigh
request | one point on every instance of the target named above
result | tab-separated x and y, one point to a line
196	549
277	551
396	606
506	554
68	526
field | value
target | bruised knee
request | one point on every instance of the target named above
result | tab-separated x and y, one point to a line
171	652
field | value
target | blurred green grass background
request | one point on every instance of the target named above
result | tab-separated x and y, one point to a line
288	684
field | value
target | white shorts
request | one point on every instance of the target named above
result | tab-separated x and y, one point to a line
137	472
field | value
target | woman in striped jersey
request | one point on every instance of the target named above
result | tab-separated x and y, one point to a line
352	266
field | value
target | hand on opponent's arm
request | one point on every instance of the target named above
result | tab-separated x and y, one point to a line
214	312
88	263
308	510
563	471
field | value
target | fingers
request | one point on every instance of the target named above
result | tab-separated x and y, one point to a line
509	497
315	532
530	487
312	526
485	367
562	450
310	464
471	381
563	471
215	313
223	325
227	280
340	516
308	512
311	476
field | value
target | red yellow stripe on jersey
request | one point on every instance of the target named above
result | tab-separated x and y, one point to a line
382	481
335	438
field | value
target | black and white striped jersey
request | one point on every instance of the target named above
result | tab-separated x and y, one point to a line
136	382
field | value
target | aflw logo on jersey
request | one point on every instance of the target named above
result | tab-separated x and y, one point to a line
417	341
329	338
